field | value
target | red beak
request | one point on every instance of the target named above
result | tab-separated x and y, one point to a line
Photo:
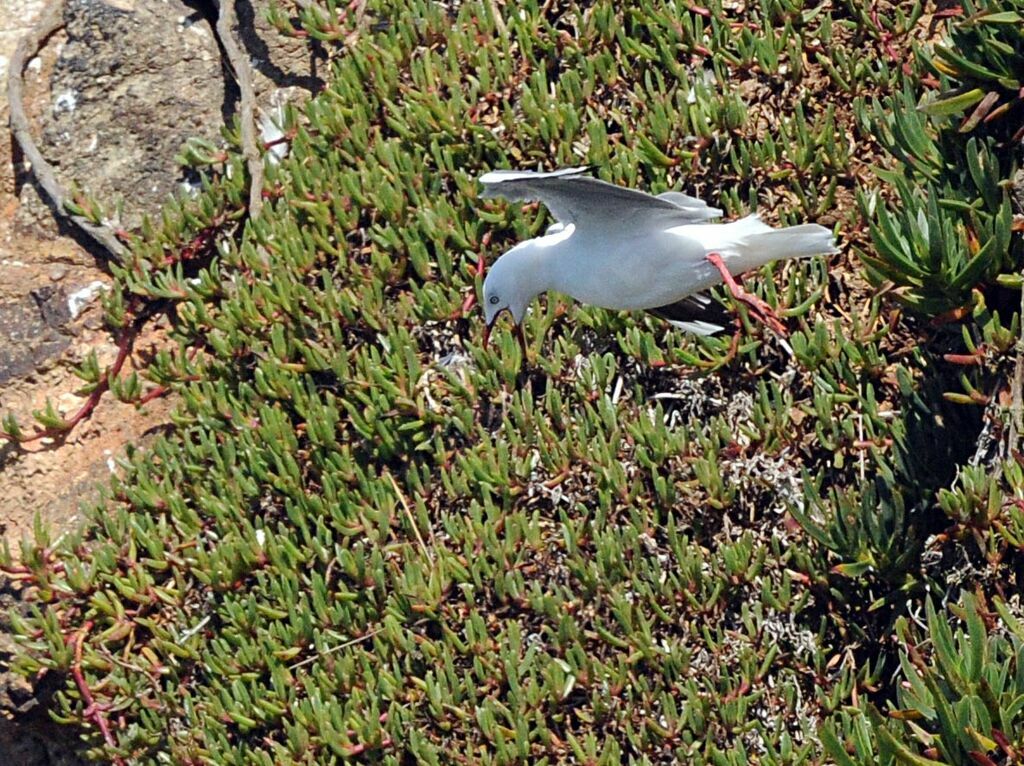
518	331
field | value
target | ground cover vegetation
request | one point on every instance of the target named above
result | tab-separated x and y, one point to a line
365	537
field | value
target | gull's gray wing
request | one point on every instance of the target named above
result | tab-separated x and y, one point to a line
573	196
696	313
698	209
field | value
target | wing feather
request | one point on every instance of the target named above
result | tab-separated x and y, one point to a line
695	313
573	196
698	209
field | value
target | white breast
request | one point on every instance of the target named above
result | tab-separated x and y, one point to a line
616	272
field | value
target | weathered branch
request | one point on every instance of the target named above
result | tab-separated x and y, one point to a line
54	193
243	76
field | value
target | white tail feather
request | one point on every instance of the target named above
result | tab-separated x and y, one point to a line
749	242
794	242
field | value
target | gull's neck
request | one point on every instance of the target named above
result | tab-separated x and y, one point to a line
544	261
531	267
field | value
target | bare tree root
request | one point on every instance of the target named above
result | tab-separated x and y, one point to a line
54	193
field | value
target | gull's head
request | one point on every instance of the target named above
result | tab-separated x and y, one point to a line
507	287
520	275
503	290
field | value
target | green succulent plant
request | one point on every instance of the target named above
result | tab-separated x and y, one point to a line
365	537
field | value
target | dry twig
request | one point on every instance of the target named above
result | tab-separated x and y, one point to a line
1017	402
412	520
336	648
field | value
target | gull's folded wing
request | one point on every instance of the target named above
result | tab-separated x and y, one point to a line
697	313
573	196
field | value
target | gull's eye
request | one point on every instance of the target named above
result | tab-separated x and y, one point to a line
494	300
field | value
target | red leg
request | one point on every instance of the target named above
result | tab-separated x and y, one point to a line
761	310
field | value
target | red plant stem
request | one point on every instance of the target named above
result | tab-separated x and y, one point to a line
19	573
965	359
980	758
1004	743
863	444
481	267
93	712
284	139
363	747
156	393
467	306
737	693
124	346
193	352
353	4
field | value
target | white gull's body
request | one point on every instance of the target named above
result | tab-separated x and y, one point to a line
622	249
